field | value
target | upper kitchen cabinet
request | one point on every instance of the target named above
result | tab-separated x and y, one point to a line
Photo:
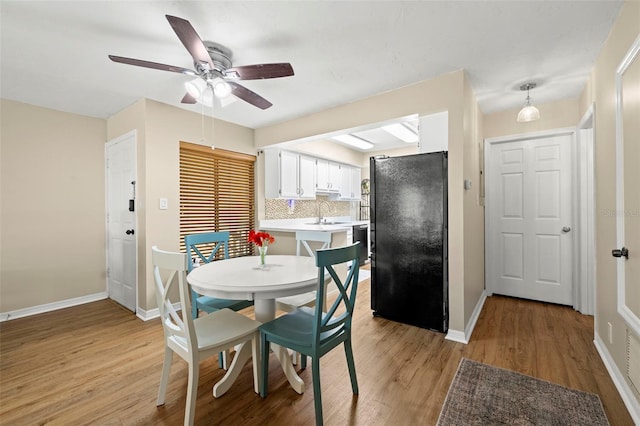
328	176
434	132
349	183
289	175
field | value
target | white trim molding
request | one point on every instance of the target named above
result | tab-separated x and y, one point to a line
54	306
625	391
148	315
153	313
465	336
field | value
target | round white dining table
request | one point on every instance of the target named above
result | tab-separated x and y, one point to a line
243	278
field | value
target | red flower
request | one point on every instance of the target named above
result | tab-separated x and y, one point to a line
260	238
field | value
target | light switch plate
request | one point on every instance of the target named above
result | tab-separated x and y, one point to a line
164	204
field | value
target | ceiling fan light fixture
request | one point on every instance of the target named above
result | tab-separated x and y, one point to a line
195	87
207	97
401	132
353	141
221	88
528	112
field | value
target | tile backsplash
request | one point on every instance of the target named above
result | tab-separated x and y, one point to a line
281	209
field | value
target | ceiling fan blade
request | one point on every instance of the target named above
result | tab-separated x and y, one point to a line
188	99
154	65
191	40
248	96
260	71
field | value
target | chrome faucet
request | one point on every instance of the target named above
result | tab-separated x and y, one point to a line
319	203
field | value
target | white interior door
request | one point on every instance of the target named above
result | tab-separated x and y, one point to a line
627	189
529	241
121	221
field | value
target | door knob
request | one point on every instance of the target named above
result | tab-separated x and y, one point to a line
620	252
129	232
566	229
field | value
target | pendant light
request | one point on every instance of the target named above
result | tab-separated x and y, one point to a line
529	112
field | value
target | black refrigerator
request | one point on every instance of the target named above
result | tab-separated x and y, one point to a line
409	280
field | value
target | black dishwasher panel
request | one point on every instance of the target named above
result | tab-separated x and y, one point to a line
361	233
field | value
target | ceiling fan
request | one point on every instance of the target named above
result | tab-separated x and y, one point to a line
215	75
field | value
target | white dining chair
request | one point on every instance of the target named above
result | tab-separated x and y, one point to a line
291	303
196	339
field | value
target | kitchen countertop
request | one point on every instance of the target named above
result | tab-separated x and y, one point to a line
336	224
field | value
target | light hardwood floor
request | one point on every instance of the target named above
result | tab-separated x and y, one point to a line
99	364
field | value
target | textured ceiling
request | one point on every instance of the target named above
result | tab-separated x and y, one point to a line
54	53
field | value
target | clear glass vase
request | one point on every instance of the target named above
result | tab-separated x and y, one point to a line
262	250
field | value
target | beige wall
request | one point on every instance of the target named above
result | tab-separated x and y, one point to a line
554	115
53	206
160	129
473	221
324	148
366	167
600	90
446	92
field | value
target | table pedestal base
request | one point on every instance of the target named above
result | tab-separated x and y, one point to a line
265	311
242	355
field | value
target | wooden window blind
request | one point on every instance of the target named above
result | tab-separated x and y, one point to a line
217	193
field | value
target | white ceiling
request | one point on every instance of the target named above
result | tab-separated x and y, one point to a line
54	53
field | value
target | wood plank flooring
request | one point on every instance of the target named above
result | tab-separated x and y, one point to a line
98	364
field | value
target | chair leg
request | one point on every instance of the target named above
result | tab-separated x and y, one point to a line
317	398
223	359
192	392
264	359
303	361
194	304
255	359
352	366
164	376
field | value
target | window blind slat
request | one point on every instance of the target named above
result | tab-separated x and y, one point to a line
217	190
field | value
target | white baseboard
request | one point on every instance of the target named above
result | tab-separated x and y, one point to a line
48	307
465	336
147	315
456	336
153	313
626	393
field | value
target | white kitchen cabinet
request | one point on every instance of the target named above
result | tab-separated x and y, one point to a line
307	177
289	175
350	183
328	177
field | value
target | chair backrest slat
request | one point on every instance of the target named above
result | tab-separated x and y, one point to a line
196	243
176	325
303	237
326	260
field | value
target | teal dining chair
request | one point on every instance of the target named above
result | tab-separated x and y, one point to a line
312	332
195	245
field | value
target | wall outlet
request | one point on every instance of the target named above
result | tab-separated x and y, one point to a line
610	328
164	204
